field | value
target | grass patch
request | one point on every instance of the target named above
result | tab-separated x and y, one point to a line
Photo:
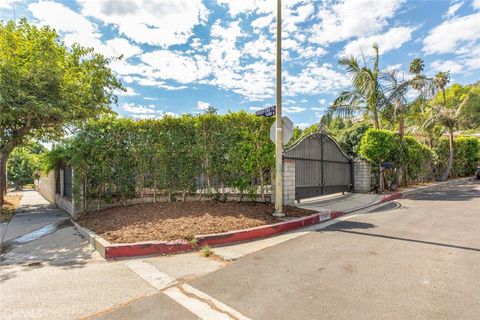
206	251
8	208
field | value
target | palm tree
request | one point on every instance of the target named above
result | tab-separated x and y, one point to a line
416	66
366	94
446	116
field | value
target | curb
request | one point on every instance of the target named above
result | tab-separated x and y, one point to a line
114	251
122	250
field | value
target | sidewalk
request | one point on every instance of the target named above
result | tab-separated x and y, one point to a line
41	233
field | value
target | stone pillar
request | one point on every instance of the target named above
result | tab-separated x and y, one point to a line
361	176
288	183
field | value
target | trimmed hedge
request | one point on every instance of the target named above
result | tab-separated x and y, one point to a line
419	161
466	155
117	159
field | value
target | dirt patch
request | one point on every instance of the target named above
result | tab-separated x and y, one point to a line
8	208
180	220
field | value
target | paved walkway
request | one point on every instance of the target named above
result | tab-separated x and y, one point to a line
41	233
337	202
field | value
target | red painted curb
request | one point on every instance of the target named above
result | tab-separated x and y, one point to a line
391	197
113	251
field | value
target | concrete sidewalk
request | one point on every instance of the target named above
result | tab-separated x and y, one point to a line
41	233
344	203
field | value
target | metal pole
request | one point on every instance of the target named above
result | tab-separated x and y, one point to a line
278	117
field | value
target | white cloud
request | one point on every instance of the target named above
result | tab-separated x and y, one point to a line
456	35
155	22
447	65
176	66
202	105
393	39
476	4
8	4
150	98
78	29
453	9
303	125
129	93
347	19
293	109
322	101
138	109
314	79
318	108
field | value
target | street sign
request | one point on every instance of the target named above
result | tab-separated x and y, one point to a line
287	129
266	112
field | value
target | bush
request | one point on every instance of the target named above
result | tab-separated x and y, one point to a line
117	159
466	156
417	160
380	146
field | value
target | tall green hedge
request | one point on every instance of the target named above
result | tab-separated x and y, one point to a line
419	161
466	155
117	159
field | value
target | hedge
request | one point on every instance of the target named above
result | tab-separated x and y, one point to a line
420	162
117	159
466	155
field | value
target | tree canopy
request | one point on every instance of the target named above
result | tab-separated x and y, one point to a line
45	85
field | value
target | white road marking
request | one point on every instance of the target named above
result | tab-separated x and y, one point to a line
197	302
149	273
218	304
199	308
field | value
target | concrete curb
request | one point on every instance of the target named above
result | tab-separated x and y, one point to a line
114	251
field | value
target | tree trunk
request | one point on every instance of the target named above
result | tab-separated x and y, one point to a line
154	190
376	122
184	196
401	129
262	185
450	159
3	177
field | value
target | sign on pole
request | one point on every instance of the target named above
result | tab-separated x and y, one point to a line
266	112
287	129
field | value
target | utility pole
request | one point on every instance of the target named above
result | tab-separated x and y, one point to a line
278	117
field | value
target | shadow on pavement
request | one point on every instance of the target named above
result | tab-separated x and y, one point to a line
462	192
401	239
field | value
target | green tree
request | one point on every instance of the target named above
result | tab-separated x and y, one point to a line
367	94
45	85
24	164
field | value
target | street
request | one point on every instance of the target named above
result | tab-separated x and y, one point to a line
413	258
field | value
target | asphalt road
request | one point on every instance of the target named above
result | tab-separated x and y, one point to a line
419	259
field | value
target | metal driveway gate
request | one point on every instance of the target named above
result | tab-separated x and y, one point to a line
321	167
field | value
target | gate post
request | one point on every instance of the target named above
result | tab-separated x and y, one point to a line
361	176
288	183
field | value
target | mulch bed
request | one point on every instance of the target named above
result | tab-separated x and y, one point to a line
180	220
8	208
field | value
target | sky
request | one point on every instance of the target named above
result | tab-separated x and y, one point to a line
182	56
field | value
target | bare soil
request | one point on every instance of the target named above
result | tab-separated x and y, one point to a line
8	208
180	220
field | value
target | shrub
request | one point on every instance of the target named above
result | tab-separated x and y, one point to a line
466	155
380	146
417	161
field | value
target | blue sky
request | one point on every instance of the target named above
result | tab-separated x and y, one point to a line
181	56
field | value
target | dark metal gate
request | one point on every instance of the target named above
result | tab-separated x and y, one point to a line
321	167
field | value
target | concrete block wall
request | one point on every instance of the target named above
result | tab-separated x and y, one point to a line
288	183
45	185
361	176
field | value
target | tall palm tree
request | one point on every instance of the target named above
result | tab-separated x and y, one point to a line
416	66
445	115
366	94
